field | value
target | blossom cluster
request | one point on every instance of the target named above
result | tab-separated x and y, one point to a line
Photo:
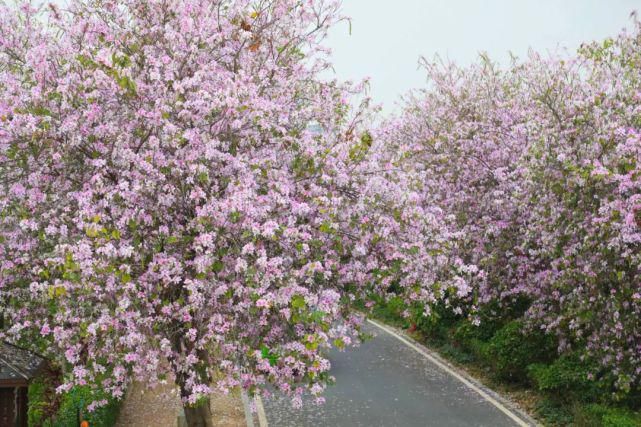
539	164
183	197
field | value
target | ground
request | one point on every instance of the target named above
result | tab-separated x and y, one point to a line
160	407
387	382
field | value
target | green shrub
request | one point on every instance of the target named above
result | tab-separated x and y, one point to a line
71	404
456	354
554	413
567	376
493	316
37	402
78	399
603	416
391	311
466	331
467	337
439	326
511	350
43	401
621	419
512	353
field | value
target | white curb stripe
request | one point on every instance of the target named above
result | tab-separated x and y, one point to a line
262	417
249	418
456	375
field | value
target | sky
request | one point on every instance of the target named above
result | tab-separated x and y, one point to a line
389	36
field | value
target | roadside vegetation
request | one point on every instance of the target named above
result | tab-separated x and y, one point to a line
183	195
523	364
47	408
537	168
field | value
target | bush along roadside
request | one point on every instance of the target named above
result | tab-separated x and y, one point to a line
511	355
50	409
537	169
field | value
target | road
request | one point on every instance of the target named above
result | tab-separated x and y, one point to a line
389	381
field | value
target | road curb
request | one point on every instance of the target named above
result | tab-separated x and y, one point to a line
249	414
260	410
249	417
501	403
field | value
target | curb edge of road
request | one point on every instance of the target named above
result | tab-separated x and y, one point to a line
249	413
260	412
500	402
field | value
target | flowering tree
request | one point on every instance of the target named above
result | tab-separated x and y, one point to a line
538	165
183	197
465	134
583	187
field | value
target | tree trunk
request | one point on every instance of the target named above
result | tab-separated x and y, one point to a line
199	416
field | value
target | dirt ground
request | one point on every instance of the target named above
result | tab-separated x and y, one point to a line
160	407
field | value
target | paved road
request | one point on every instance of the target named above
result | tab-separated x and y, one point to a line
385	382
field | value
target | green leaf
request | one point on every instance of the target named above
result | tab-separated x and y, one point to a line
86	62
318	316
298	301
266	353
234	217
126	83
122	61
217	266
56	291
414	250
40	111
203	178
326	227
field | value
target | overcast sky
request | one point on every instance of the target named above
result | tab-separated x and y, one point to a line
388	36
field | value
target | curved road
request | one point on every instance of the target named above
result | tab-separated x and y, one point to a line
389	381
